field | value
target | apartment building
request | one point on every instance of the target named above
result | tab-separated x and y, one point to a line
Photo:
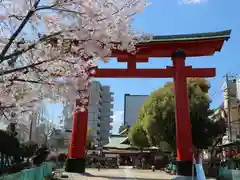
106	114
94	110
99	113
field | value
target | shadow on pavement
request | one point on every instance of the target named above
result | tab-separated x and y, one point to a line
88	174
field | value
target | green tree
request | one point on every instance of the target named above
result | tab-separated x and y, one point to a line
217	131
138	136
123	127
158	115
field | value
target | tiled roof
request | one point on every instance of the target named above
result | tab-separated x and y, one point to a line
117	142
124	131
121	143
221	35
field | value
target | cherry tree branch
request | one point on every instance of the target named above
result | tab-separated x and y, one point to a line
5	116
17	53
19	29
20	18
25	67
30	81
45	7
6	107
58	9
43	39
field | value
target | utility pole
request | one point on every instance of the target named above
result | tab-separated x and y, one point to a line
229	109
30	133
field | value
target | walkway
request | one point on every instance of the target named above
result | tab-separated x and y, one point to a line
119	174
123	173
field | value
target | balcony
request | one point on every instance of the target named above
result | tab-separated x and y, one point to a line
98	124
95	98
110	120
111	113
110	127
109	106
112	104
106	114
112	98
99	99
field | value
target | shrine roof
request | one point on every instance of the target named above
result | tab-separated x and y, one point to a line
117	141
221	35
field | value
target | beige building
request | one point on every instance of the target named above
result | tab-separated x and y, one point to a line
231	91
99	114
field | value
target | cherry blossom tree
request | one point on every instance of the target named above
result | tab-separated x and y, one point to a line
48	48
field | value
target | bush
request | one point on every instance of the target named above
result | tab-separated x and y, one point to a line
10	144
28	149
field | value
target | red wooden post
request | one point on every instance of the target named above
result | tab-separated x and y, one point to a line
76	156
183	123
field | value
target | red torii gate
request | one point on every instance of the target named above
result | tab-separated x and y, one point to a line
178	47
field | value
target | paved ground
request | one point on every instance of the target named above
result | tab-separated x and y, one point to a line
120	174
124	173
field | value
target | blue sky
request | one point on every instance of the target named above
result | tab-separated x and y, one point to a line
166	17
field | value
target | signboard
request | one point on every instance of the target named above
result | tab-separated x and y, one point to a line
158	157
111	155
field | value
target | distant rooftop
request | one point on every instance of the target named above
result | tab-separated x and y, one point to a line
117	141
122	143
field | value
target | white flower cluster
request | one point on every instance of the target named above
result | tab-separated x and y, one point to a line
48	48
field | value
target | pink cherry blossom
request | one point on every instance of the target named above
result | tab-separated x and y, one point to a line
48	48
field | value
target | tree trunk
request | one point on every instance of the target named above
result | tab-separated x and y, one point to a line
213	148
46	140
2	161
210	164
7	160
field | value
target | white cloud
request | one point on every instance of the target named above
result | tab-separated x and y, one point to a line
118	117
192	1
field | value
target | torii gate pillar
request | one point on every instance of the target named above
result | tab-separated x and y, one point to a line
183	123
